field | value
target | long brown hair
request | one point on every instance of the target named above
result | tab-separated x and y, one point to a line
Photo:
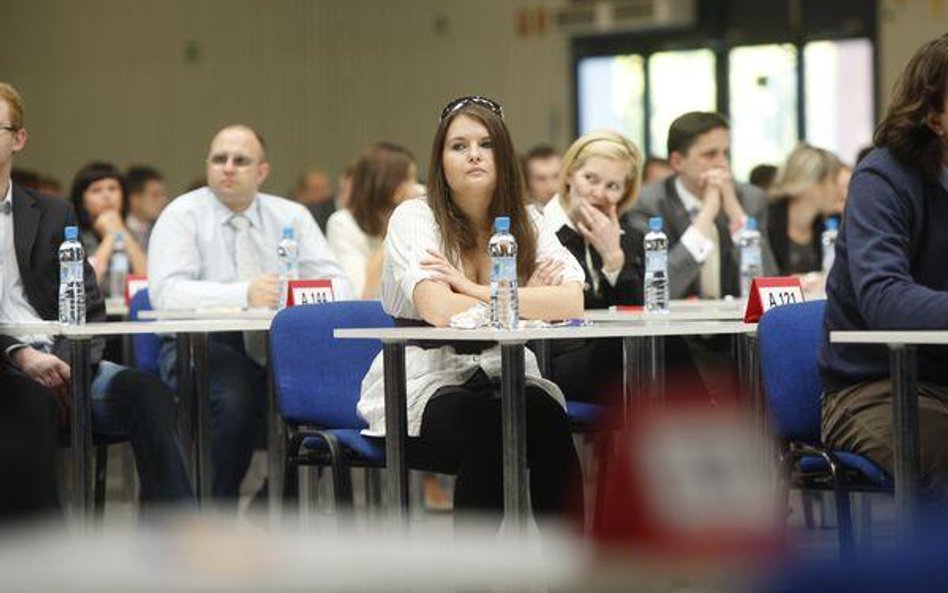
377	175
457	233
919	92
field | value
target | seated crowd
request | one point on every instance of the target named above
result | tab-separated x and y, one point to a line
421	249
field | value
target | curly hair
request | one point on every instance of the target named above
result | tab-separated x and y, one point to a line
919	93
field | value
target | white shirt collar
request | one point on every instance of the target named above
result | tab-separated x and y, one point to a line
8	197
555	216
224	214
688	199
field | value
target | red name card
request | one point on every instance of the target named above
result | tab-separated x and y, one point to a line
134	283
309	292
767	293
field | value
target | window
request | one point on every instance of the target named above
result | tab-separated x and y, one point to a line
839	95
611	95
763	105
680	81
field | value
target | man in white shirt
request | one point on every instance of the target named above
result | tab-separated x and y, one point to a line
217	246
704	210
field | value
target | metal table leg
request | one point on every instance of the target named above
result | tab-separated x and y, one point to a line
631	374
202	417
514	435
396	429
903	362
81	428
654	359
186	402
276	446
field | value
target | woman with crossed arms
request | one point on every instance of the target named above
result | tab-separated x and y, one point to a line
437	266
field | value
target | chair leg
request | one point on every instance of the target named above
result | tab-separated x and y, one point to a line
101	473
806	502
844	519
373	489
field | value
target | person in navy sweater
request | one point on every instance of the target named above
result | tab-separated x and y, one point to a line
890	274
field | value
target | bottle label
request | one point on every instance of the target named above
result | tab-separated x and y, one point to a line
656	261
504	268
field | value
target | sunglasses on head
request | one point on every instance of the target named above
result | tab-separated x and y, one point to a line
461	102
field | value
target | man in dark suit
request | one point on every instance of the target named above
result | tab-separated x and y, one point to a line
703	209
125	401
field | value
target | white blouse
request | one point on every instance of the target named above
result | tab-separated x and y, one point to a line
411	231
352	247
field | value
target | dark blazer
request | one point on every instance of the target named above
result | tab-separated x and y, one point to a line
628	288
38	223
684	273
780	240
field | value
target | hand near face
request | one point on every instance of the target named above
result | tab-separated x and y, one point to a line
444	271
50	372
108	223
548	273
601	230
264	291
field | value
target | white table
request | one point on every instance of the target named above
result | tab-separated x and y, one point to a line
903	369
235	319
79	338
513	412
682	314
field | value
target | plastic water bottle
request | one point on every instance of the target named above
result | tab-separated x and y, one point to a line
504	299
829	243
656	268
750	255
118	267
288	255
72	290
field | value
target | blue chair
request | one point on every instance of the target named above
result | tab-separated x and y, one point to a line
789	338
145	347
317	381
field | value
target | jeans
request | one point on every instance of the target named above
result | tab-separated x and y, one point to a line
238	403
128	402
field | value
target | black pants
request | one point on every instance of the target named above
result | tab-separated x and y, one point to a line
461	434
27	448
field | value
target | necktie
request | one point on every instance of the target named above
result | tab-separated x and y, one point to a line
247	263
5	207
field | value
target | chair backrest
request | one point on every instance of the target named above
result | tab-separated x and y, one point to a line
146	347
789	338
318	379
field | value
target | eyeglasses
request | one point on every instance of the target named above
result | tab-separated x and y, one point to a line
11	129
240	160
461	102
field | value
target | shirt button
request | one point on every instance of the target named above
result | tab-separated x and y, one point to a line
476	359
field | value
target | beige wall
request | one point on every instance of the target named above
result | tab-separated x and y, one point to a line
149	81
320	79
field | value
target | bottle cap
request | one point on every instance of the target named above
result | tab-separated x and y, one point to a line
832	224
655	223
119	236
72	233
751	223
288	232
502	223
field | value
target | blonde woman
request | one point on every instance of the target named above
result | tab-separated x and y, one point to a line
804	194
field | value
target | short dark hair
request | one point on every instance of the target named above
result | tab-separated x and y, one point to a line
684	131
919	92
86	176
138	176
540	152
763	176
